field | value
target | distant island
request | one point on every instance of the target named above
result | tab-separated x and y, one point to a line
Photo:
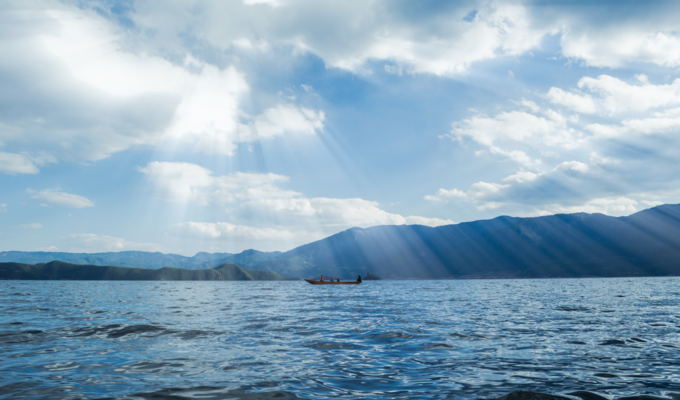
58	270
578	245
370	277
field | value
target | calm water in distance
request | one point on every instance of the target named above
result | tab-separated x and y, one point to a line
383	339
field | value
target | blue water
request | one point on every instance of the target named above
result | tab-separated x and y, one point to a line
385	339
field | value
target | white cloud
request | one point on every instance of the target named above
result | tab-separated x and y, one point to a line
618	96
433	222
566	182
62	199
481	191
224	230
616	45
106	95
3	208
521	177
515	155
582	104
652	203
572	166
530	105
658	124
91	242
16	164
185	183
446	195
273	122
616	206
352	35
327	212
255	196
30	226
515	126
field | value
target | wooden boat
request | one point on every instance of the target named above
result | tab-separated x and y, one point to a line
314	282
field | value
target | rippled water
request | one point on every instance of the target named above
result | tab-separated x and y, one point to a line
386	339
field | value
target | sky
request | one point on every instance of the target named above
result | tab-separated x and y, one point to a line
220	126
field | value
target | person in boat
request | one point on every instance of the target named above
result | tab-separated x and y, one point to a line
359	278
321	278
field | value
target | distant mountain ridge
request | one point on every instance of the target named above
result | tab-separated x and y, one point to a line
646	243
141	259
565	245
59	270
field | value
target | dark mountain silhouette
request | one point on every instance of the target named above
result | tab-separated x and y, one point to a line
565	245
58	270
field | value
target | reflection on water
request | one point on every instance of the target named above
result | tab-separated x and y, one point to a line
381	339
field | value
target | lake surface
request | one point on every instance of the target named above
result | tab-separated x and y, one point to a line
379	340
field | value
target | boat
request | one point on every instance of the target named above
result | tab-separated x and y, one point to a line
315	282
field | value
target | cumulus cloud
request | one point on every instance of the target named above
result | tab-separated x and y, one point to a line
190	183
58	198
625	145
664	123
595	185
513	126
568	182
446	195
618	96
262	199
614	46
92	242
579	103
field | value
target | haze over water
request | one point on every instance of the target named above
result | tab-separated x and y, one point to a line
386	339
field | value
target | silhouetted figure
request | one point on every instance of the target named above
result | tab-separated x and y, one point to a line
321	278
359	278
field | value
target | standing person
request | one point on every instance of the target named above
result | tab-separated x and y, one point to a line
321	278
359	278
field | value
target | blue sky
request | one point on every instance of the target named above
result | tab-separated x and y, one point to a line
186	126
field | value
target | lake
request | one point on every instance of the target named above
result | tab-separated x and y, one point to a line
461	339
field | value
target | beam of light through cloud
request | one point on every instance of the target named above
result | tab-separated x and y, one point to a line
278	122
106	98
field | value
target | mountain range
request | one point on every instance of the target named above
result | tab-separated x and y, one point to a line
59	270
646	243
